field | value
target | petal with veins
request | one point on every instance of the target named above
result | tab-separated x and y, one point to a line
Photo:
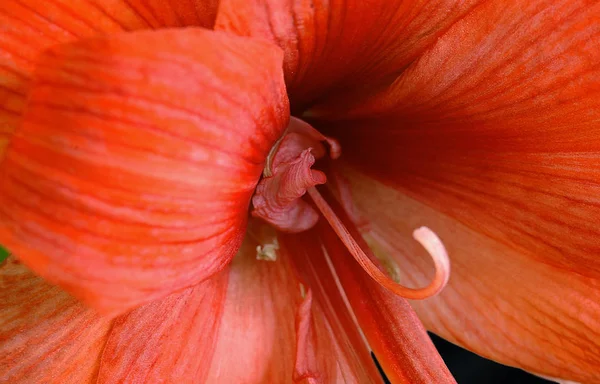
46	336
26	29
330	42
167	341
499	302
118	185
256	340
498	127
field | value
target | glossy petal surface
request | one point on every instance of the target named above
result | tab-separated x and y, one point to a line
499	302
354	42
132	172
26	29
46	336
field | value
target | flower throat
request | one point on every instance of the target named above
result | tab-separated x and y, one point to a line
288	176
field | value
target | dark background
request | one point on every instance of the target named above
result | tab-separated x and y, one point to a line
469	368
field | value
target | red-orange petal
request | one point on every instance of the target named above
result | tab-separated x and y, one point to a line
46	336
256	339
26	29
342	43
391	327
131	175
167	341
499	302
497	126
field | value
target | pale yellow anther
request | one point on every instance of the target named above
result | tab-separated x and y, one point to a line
302	290
267	252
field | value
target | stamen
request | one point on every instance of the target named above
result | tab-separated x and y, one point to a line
302	290
268	170
423	235
267	252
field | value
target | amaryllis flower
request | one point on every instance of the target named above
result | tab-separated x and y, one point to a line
230	198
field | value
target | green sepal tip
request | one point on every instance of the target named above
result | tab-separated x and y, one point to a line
3	253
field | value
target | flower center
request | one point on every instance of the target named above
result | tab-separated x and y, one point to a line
288	176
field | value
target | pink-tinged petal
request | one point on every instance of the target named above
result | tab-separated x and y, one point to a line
167	341
131	175
350	353
391	327
27	28
46	336
354	42
313	338
500	302
256	341
497	126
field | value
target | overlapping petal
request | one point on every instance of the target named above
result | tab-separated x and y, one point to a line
131	174
500	302
28	27
46	336
354	42
118	186
497	126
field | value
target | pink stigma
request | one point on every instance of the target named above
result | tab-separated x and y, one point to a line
288	175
